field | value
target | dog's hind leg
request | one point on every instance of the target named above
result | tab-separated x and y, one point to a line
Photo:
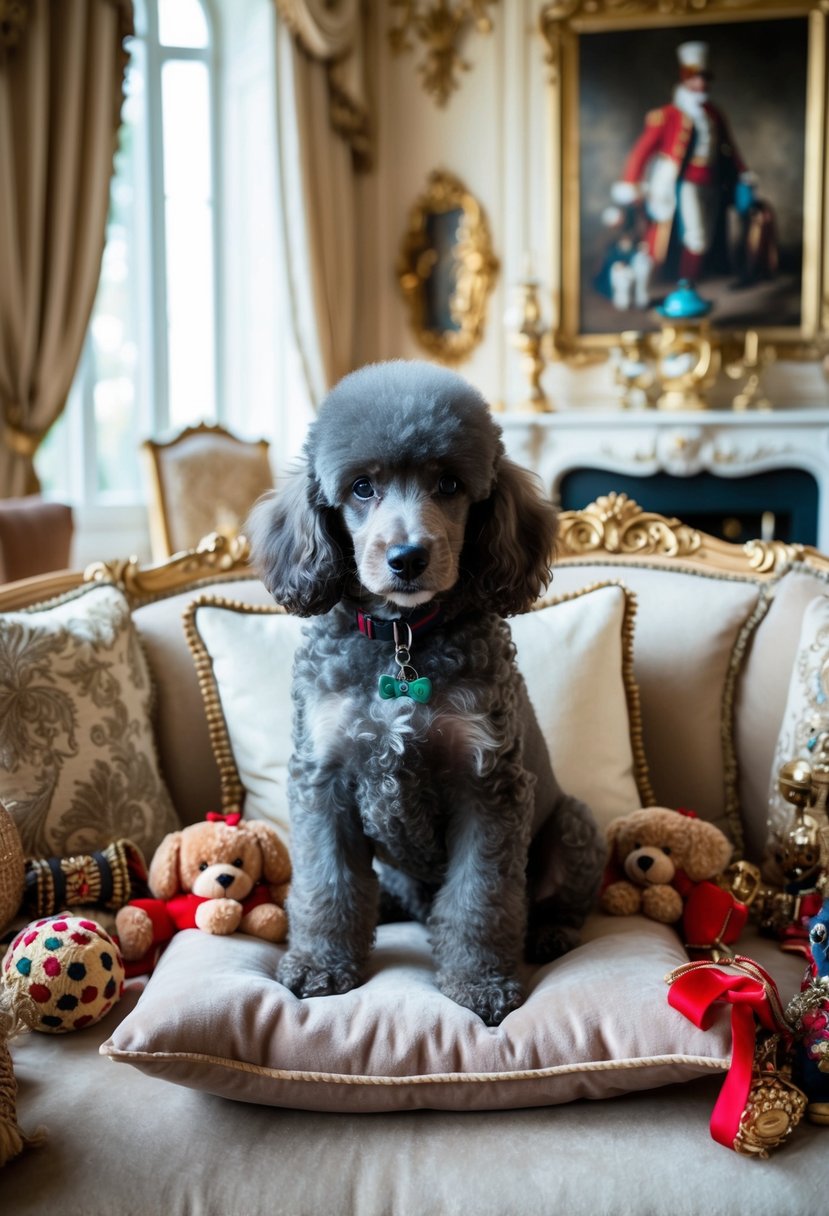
567	858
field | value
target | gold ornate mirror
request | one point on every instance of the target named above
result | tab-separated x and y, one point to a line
447	269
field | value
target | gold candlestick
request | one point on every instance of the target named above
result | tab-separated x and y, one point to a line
749	367
528	338
634	370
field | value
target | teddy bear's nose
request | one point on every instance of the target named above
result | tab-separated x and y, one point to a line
224	880
644	863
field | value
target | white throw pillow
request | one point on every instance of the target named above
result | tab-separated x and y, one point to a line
244	656
576	654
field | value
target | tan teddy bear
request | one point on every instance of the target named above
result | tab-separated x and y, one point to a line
657	856
222	875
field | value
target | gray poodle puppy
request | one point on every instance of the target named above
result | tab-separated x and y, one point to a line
418	765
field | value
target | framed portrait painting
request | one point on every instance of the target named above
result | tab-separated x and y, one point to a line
689	144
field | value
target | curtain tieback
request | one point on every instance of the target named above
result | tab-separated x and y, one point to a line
23	443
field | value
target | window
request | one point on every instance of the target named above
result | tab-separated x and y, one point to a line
151	359
190	320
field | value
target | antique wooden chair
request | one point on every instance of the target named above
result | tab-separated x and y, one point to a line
204	479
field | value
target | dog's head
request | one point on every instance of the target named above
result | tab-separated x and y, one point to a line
405	496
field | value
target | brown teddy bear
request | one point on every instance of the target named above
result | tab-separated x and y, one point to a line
657	858
219	876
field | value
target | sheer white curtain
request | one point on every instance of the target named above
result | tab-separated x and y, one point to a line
323	142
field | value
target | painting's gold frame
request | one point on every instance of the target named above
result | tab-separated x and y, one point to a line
562	23
477	268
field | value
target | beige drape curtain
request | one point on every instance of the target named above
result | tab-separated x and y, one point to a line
62	64
324	141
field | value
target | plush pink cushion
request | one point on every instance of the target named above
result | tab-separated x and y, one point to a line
595	1023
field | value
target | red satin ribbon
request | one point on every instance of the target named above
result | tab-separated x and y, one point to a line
232	818
695	992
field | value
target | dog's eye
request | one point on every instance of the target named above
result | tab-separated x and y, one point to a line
202	865
238	863
448	484
362	488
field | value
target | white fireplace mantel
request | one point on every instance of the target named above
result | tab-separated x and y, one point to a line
641	443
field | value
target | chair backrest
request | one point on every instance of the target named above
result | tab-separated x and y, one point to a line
35	537
204	479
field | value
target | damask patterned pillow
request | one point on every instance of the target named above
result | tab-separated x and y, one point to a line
78	765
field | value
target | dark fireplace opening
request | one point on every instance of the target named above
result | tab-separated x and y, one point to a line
779	504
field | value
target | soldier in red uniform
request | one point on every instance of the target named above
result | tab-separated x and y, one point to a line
685	170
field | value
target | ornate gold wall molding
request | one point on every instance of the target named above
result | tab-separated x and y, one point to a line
439	26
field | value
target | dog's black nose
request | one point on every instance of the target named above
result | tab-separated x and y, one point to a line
225	880
407	561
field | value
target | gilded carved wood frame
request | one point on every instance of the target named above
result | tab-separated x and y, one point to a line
572	30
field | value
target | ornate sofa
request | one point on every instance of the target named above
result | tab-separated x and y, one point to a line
669	668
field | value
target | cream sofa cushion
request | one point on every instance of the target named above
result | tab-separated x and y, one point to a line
181	725
595	1023
576	654
692	634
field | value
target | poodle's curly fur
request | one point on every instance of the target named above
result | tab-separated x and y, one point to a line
445	810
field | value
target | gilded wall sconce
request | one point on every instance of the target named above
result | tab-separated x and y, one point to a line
439	26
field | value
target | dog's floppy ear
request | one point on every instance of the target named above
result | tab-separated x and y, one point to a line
298	546
511	541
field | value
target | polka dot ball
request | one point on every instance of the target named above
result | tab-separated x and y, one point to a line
70	967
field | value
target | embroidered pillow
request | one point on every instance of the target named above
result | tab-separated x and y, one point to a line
805	725
78	766
576	653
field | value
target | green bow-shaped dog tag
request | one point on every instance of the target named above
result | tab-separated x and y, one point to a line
419	690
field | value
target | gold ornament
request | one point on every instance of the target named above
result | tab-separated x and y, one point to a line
439	26
775	1104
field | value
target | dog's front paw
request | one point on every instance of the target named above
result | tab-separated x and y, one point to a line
305	977
491	998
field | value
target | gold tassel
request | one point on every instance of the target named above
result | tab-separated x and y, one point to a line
12	1138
